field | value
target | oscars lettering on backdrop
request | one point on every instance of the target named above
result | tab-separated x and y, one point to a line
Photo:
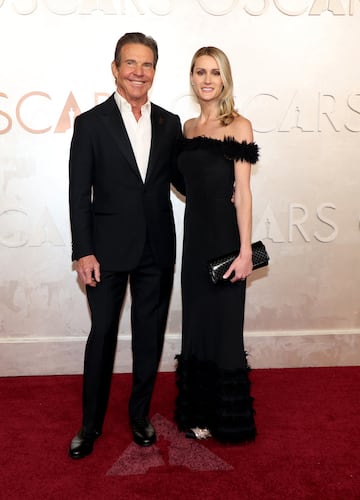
162	8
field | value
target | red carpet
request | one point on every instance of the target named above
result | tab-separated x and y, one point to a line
307	446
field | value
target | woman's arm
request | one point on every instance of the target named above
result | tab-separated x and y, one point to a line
242	265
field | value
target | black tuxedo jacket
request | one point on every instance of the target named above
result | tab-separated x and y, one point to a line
112	210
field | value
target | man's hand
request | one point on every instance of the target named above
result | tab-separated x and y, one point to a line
88	269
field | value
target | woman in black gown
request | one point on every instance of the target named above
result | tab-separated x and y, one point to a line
215	160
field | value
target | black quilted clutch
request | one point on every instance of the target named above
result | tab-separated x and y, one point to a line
219	266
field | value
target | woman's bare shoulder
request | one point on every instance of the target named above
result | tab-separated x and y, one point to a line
241	129
188	126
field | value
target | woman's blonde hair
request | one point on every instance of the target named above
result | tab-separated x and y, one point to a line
227	109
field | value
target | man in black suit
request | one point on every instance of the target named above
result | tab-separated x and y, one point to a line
122	159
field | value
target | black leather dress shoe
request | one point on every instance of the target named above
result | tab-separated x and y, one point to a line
82	444
143	431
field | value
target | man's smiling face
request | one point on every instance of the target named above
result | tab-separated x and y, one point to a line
134	73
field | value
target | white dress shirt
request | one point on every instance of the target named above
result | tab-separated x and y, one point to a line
139	132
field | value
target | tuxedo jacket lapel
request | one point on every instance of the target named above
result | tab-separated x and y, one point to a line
115	124
116	127
157	123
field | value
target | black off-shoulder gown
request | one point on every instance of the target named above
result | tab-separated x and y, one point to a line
212	371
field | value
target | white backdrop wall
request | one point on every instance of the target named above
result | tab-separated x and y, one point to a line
297	78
